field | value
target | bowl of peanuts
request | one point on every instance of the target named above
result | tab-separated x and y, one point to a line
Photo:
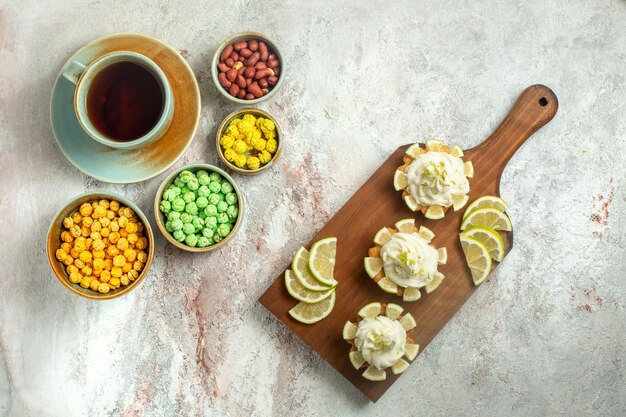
100	245
249	141
247	68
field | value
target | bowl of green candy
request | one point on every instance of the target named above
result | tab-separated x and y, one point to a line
198	208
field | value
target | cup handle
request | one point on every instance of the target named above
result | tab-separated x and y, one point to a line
73	71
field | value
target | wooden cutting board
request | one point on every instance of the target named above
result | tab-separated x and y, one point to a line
377	204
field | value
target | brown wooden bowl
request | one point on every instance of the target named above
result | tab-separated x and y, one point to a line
238	115
160	217
54	241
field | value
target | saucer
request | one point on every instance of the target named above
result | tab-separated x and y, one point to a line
133	165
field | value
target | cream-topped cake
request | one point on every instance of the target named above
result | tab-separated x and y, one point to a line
434	179
404	260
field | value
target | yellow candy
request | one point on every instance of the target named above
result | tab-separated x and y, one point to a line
95	235
116	272
264	156
86	209
112	251
240	161
132	274
253	162
132	238
85	282
85	256
71	268
69	260
119	260
239	146
94	285
98	254
110	214
66	247
230	155
130	255
103	288
114	237
271	145
124	280
104	232
227	141
142	257
104	222
232	129
104	203
122	221
122	244
115	282
259	144
114	205
142	243
99	212
86	270
60	254
68	222
137	266
98	263
108	264
105	276
75	231
131	228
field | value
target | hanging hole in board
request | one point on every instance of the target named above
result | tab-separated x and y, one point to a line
543	102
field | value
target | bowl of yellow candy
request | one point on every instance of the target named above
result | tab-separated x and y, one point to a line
100	245
249	141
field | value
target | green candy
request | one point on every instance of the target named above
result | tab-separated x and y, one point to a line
215	187
201	172
186	217
210	222
214	199
178	204
197	223
226	187
178	235
221	196
231	198
173	215
178	182
215	176
189	196
168	227
193	184
185	176
210	210
222	206
202	215
204	191
203	242
191	240
165	206
211	241
184	189
222	218
191	208
208	233
177	224
202	202
217	238
204	179
232	212
189	229
223	229
169	195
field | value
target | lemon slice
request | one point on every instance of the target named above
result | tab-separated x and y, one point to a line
405	225
370	310
468	169
489	217
459	201
486	201
322	260
388	285
408	322
442	256
300	268
400	180
426	234
312	313
382	236
356	359
349	331
434	284
399	366
411	202
373	266
374	374
477	257
433	145
488	237
411	351
300	293
414	150
456	151
393	311
411	294
435	213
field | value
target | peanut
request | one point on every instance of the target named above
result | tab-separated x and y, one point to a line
240	45
226	52
245	52
255	90
231	74
253	45
254	58
263	51
223	80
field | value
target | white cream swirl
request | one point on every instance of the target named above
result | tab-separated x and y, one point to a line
381	341
434	177
409	260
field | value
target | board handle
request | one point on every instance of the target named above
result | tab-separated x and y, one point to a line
536	106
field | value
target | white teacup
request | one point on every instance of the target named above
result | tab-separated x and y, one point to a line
84	75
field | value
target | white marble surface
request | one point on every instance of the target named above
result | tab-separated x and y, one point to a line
545	336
